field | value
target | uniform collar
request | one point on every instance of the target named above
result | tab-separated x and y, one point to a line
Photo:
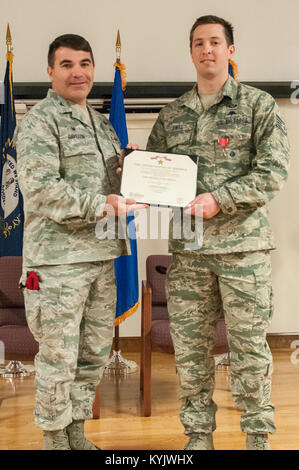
66	106
230	90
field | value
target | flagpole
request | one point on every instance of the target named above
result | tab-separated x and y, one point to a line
15	369
117	364
116	329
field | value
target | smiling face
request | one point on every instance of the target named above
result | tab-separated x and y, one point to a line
210	52
72	74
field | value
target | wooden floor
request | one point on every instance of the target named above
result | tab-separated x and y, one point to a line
121	425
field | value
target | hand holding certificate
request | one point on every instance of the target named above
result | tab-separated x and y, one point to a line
159	178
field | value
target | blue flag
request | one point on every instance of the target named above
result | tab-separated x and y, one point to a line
126	267
11	208
233	69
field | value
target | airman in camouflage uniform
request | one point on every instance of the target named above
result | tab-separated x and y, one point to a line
67	161
242	150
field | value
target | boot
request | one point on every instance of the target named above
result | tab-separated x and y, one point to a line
200	441
77	440
56	440
257	442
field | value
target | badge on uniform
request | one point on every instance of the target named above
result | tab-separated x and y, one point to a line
223	141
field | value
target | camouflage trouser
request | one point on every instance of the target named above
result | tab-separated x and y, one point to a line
72	317
198	288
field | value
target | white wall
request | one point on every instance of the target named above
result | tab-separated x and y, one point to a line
154	35
285	223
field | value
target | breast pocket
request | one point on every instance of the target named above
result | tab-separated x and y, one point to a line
79	166
73	151
73	166
233	154
179	137
72	158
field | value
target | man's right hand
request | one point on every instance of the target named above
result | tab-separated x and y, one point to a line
120	206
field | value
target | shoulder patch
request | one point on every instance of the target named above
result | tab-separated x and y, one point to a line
280	125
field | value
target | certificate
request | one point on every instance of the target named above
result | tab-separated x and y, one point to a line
167	179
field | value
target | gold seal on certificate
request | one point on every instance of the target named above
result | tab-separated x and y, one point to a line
167	179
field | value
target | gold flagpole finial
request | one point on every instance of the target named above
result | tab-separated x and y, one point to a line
118	47
118	63
8	39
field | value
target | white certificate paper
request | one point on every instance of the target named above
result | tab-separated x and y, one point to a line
167	179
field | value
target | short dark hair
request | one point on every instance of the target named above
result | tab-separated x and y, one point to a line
211	19
73	41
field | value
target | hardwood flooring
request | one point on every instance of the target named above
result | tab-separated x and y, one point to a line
121	425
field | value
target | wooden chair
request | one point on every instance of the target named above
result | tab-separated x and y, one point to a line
96	405
155	329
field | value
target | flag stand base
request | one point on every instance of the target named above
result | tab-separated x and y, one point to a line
15	370
118	365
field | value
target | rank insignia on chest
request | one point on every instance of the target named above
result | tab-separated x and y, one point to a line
223	141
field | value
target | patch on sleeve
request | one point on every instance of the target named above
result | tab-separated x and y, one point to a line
281	125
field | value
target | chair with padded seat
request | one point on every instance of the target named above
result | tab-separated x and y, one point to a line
18	341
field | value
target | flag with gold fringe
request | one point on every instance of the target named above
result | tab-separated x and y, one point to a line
11	209
233	70
126	267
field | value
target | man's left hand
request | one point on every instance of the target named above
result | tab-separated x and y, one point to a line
204	204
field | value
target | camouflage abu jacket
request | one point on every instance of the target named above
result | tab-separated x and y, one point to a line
243	172
64	179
